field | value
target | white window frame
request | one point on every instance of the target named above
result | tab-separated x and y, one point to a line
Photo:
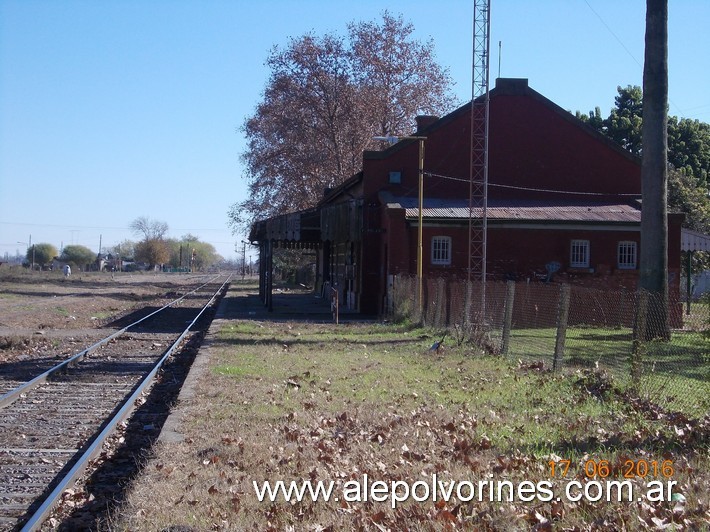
441	250
627	255
579	251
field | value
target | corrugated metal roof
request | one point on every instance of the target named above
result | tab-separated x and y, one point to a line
524	210
694	241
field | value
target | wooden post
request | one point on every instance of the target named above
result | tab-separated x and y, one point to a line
508	316
440	302
562	316
334	304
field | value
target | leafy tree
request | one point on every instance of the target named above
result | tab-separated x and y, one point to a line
152	252
190	252
689	148
153	249
78	256
653	257
688	139
41	254
124	250
324	101
624	122
684	195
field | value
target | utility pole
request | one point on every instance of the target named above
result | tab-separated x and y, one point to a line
244	259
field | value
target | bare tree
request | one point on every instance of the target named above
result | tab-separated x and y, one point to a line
653	258
149	229
325	100
398	77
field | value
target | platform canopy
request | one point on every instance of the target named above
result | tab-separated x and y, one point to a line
694	241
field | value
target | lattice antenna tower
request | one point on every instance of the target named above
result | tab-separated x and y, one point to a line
478	188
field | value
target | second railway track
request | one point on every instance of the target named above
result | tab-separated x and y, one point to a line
50	424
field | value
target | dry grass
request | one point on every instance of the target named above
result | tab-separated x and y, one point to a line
301	401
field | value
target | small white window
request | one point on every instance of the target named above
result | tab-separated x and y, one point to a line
627	255
441	250
579	254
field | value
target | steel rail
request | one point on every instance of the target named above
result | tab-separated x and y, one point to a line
13	395
43	512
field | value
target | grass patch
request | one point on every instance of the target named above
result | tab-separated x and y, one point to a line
304	401
676	373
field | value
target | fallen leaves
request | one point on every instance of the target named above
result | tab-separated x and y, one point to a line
312	415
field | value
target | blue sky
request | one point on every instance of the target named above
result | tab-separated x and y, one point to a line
115	109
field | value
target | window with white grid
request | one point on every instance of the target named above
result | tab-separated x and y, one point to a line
579	254
441	250
627	255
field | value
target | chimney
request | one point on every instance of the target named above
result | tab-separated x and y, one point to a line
424	121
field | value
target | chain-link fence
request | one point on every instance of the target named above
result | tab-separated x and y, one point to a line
659	351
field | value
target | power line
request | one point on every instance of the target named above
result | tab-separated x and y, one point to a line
530	189
680	111
613	34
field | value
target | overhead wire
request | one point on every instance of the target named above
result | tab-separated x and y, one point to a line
532	189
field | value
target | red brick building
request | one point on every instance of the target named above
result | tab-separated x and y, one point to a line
563	206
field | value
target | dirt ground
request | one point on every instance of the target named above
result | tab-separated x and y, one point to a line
45	313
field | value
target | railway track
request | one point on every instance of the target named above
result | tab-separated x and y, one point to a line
56	425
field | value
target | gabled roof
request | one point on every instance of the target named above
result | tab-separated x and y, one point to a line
343	188
509	87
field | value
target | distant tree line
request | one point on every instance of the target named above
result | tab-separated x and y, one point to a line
153	250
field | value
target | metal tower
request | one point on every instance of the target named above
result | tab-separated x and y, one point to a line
478	187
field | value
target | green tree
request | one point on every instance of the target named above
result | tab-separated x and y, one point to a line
153	249
624	123
653	256
124	250
152	252
688	139
41	254
190	252
684	195
324	101
79	257
689	148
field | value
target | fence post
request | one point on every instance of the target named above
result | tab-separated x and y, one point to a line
334	304
439	302
508	316
467	307
637	345
562	315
